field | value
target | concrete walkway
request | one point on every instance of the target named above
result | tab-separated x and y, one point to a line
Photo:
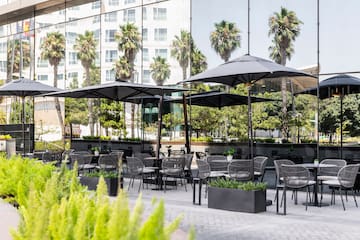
330	222
9	219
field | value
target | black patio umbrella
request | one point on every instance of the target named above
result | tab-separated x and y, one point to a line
24	87
218	99
122	91
339	85
250	69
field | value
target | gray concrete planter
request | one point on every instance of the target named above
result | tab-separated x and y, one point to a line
237	200
92	182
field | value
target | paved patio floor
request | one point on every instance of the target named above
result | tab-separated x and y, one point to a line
330	222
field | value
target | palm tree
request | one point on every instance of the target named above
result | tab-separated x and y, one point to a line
129	42
285	27
198	61
85	44
180	49
13	57
225	39
53	49
160	70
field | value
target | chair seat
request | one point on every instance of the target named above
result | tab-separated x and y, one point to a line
148	170
171	171
256	173
327	178
240	175
215	174
334	183
86	166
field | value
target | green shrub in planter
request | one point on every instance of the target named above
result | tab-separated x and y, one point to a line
91	180
54	205
242	197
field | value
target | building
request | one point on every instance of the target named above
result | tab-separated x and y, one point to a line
30	21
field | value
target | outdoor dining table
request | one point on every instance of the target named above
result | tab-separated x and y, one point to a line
157	168
315	167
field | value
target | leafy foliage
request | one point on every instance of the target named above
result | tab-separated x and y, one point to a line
53	205
230	183
225	39
160	70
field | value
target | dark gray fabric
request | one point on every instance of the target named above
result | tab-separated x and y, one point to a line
118	91
218	99
340	84
25	87
248	69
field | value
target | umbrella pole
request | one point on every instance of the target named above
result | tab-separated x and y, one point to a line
341	126
250	132
187	138
158	144
23	123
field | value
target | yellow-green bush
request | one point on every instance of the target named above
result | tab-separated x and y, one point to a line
53	205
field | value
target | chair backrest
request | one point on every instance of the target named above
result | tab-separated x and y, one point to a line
47	157
108	161
240	169
278	170
81	158
331	171
295	176
210	158
173	165
188	160
347	175
134	165
260	164
204	169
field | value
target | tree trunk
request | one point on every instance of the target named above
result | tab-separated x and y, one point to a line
57	105
284	129
184	73
132	120
90	103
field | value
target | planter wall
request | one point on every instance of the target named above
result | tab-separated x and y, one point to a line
91	183
237	200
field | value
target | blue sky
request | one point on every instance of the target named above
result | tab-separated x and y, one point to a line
339	30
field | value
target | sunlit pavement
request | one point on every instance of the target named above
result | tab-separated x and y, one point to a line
330	222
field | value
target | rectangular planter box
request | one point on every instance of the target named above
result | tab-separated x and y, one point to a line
92	182
237	200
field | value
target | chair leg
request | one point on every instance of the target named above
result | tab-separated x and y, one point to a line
354	197
164	182
140	182
342	200
277	200
185	184
284	197
307	195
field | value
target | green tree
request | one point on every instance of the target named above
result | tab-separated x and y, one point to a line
53	49
225	39
76	109
285	27
15	115
112	116
160	70
13	56
129	42
198	61
180	50
85	45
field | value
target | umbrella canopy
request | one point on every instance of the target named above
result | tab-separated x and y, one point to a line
337	85
249	69
218	99
145	99
25	87
122	91
119	91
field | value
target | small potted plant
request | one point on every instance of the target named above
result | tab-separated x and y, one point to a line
91	180
95	150
240	196
229	153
